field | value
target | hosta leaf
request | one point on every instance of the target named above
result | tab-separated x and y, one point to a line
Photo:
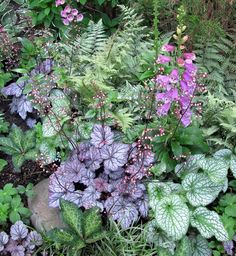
172	215
216	169
73	216
200	246
200	189
209	224
184	248
92	222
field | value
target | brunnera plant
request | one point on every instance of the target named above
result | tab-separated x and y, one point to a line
179	206
106	173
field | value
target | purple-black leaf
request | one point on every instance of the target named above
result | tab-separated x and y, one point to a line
115	155
101	135
18	231
4	238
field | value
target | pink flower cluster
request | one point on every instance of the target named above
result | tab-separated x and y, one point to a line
69	14
176	88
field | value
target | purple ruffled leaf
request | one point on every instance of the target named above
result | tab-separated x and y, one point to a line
228	247
19	250
13	89
74	197
74	169
94	161
21	105
115	155
4	238
90	197
33	239
18	231
31	122
101	135
143	206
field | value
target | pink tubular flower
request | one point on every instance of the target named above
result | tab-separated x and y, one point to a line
162	59
163	109
67	9
74	12
180	62
70	17
66	22
63	14
59	2
186	118
79	17
189	56
168	48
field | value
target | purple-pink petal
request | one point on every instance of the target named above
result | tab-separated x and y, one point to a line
79	17
168	48
163	109
162	59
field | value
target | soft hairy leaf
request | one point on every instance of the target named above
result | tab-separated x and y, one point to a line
172	215
216	169
200	246
73	216
209	224
200	189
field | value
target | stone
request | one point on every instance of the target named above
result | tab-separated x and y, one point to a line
43	218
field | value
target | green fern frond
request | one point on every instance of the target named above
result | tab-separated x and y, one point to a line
123	118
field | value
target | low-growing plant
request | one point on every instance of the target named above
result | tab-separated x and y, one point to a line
83	228
20	145
12	207
20	241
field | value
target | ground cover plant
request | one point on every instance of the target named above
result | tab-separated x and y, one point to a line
128	122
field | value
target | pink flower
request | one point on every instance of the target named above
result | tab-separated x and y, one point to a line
162	59
63	14
66	22
189	56
180	62
163	109
59	2
168	48
74	12
174	76
186	118
79	17
70	17
67	9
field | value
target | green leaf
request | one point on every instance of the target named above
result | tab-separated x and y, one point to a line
51	126
25	212
7	146
230	210
61	236
215	169
83	1
16	202
92	222
16	135
209	224
176	148
184	248
200	189
95	237
31	154
4	210
14	216
3	163
18	161
73	216
200	247
172	215
100	2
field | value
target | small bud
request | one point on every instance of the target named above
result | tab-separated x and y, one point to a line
178	31
184	39
175	37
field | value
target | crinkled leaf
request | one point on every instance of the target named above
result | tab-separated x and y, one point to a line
4	238
114	155
101	135
200	189
172	215
21	105
13	89
200	246
209	224
18	231
216	169
223	154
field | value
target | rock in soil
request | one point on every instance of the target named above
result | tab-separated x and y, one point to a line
43	217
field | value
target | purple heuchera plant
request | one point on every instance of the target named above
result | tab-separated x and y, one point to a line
107	174
20	242
177	88
20	102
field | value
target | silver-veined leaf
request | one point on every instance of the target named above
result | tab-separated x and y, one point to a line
209	224
184	247
216	169
200	247
172	215
200	189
